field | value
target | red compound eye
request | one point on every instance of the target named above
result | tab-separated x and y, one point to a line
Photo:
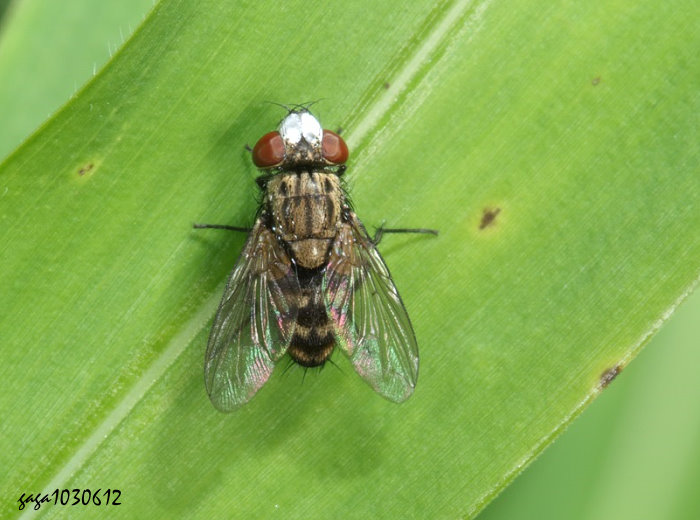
334	148
269	150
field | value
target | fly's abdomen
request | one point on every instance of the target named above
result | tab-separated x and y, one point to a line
313	340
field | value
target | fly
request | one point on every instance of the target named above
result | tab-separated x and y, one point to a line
309	277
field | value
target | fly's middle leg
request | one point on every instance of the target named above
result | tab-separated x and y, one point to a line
381	230
222	226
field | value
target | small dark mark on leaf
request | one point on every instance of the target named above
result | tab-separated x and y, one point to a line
607	377
489	217
387	85
248	148
85	169
339	130
595	81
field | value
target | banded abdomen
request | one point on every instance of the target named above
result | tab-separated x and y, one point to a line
313	340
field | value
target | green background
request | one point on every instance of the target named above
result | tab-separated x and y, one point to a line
655	408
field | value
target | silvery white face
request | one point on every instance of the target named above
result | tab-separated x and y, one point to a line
301	125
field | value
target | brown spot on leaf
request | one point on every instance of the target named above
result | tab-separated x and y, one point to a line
86	169
387	85
489	217
595	81
83	170
607	377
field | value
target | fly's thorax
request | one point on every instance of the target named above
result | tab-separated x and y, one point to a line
305	210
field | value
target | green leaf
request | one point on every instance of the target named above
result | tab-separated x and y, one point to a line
43	62
574	125
634	453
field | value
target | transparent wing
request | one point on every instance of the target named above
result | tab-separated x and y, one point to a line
371	323
254	323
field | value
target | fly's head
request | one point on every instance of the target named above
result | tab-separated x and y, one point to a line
299	142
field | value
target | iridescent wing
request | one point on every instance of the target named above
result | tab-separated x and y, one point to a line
254	323
371	323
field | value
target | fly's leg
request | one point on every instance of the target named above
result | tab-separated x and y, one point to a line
222	226
381	230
